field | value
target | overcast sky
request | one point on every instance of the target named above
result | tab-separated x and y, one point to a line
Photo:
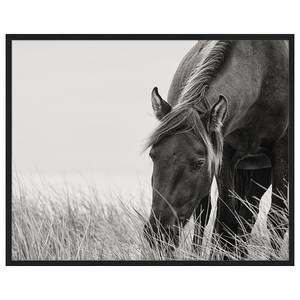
84	107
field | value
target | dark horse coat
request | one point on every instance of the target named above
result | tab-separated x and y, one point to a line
252	76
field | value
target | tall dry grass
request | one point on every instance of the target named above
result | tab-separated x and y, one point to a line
66	225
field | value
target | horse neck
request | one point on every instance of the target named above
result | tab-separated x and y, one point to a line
184	70
239	82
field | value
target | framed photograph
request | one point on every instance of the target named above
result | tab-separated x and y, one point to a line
150	149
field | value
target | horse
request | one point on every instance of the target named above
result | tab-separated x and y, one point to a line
226	117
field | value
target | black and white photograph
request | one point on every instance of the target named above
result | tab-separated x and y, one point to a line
150	149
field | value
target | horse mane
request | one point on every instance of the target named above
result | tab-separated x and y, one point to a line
192	106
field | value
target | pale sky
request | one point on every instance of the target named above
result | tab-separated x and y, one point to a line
84	106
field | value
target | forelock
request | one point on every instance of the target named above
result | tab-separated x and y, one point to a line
185	119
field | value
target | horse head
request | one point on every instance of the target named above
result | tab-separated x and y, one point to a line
186	150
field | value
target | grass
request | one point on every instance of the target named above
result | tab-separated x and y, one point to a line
66	225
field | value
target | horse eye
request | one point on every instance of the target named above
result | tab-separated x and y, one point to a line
197	164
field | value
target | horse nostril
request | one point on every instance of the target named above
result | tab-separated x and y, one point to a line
146	229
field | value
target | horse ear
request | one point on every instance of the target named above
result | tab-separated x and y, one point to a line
217	115
160	106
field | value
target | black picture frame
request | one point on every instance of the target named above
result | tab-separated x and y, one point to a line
14	37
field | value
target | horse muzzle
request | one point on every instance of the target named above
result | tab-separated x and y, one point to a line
160	237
